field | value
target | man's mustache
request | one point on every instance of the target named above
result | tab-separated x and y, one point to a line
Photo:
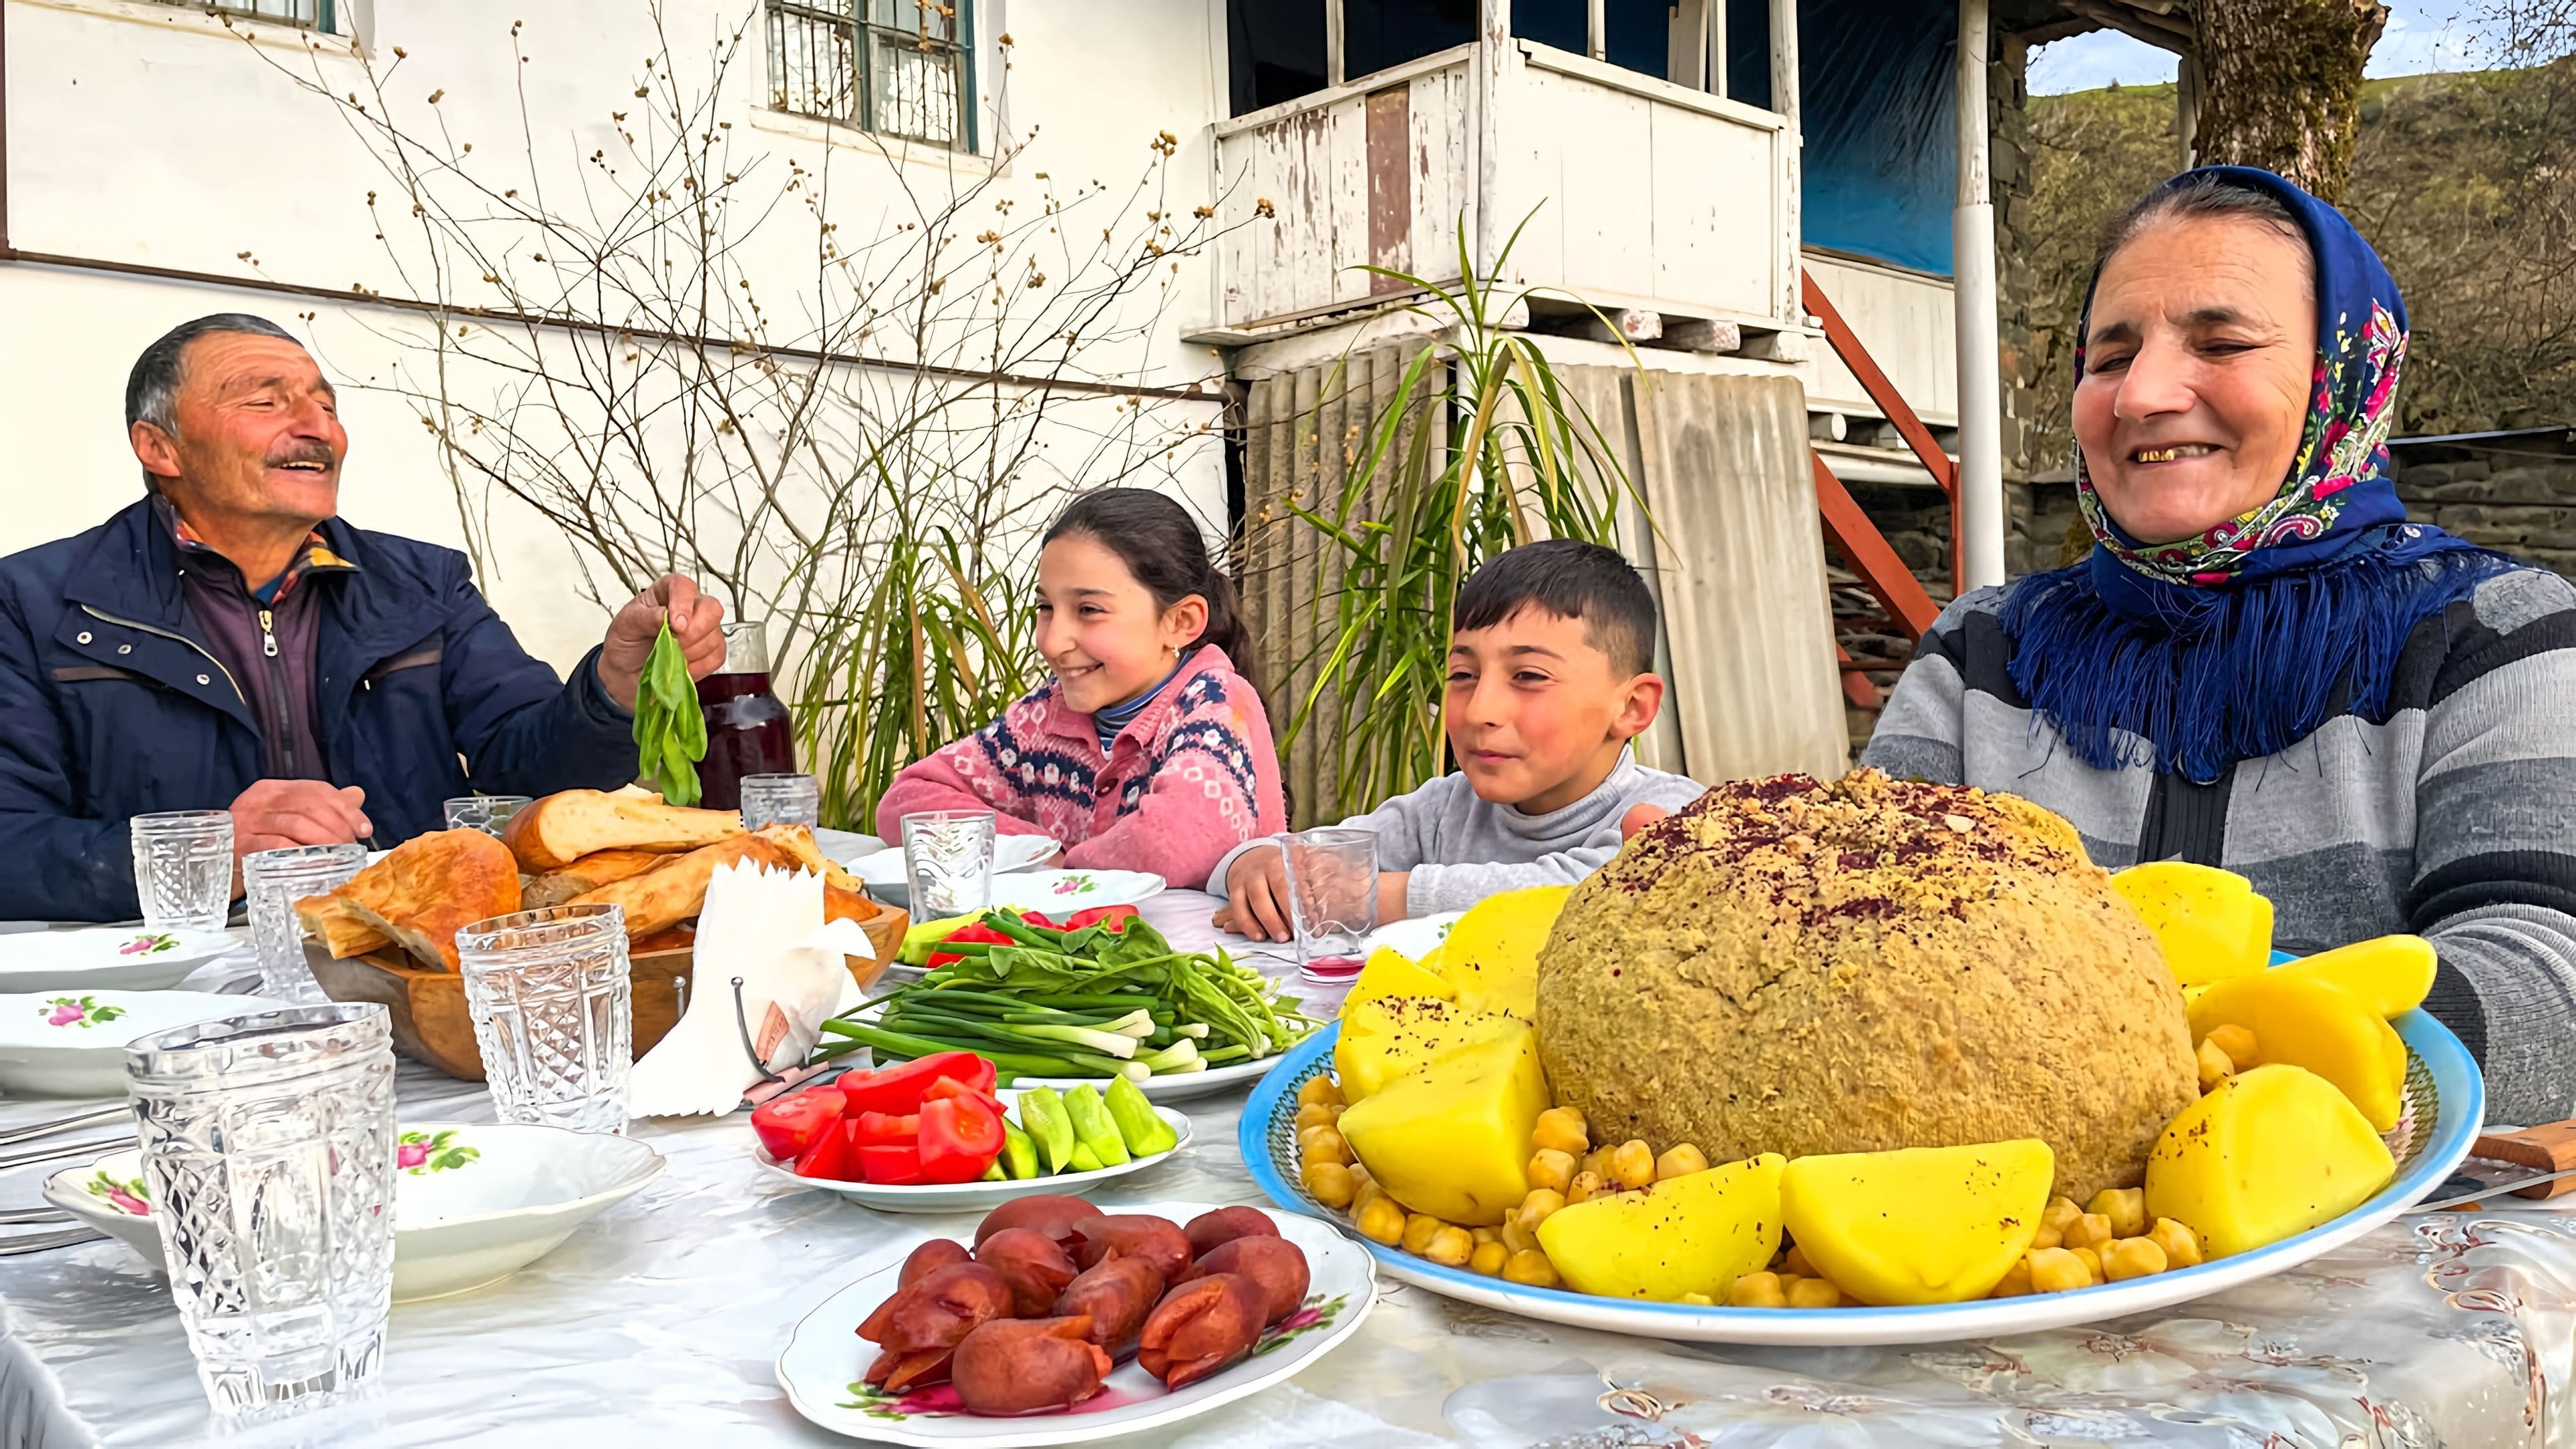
311	452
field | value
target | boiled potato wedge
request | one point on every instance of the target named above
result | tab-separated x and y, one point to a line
1453	1139
2306	1022
1921	1224
2389	974
2271	1152
1696	1233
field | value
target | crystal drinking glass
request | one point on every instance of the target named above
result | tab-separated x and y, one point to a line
781	800
268	1154
949	855
1332	898
274	880
487	813
554	1014
183	869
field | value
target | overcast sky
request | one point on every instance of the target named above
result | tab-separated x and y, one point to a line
2422	35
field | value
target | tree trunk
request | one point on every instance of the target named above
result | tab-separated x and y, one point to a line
2282	85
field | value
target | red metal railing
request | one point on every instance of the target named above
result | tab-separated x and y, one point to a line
1849	529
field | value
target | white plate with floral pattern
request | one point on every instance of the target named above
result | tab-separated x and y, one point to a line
884	867
823	1366
1059	893
971	1197
72	1043
125	958
473	1202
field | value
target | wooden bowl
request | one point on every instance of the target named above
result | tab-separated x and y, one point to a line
428	1004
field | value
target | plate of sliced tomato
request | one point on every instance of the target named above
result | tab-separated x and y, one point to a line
938	1135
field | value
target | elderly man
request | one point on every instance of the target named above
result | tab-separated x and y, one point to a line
228	642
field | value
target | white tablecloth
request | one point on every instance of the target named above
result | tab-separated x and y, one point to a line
659	1322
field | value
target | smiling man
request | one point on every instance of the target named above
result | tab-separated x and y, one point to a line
228	642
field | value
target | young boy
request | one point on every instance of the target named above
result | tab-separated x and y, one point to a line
1550	675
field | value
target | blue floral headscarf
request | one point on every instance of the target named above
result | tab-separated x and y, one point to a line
2234	644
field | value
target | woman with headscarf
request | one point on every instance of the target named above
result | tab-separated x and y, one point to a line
2262	665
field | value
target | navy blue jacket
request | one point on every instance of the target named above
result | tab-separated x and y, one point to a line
111	706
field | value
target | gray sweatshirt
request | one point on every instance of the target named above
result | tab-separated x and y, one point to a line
1461	848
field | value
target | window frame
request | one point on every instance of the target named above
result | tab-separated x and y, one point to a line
325	21
852	17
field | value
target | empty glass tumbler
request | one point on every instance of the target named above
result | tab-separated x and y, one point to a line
554	1014
268	1154
781	800
949	856
1332	898
273	881
183	869
487	813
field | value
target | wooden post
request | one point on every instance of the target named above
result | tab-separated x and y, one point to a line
1494	57
1596	29
1686	56
1335	42
1784	100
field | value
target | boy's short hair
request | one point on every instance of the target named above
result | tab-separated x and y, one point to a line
1572	580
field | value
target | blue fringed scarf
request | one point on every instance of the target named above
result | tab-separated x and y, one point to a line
2233	645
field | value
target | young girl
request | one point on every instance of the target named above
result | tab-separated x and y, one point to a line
1148	749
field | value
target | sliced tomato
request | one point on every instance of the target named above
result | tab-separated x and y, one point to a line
978	932
884	1129
1114	917
789	1125
833	1157
951	1087
890	1166
897	1090
961	1135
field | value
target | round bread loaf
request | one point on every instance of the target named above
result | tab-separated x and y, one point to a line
1794	967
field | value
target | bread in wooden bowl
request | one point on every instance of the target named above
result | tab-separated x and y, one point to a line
599	868
429	887
342	929
563	827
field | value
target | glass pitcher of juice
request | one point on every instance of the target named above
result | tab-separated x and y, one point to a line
748	732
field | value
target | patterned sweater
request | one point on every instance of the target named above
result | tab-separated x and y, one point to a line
2450	818
1187	780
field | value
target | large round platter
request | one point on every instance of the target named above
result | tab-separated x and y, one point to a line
72	1043
473	1202
974	1196
124	958
1179	1086
824	1359
2445	1100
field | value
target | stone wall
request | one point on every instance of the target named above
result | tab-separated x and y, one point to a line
2515	493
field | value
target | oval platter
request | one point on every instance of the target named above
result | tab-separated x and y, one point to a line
2445	1101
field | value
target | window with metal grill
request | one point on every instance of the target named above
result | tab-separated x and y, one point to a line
311	14
896	67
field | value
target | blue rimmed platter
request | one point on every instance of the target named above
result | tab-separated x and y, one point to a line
2445	1101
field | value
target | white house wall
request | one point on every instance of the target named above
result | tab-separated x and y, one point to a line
148	134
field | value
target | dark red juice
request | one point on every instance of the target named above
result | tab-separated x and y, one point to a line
748	733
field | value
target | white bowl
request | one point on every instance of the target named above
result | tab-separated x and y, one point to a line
72	1043
126	958
973	1196
473	1202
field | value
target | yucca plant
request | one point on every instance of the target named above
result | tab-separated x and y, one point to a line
1479	448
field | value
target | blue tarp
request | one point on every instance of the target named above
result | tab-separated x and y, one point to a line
1875	91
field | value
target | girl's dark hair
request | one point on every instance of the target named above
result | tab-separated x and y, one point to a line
1160	544
2201	195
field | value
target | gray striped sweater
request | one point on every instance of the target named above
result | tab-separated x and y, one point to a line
2450	818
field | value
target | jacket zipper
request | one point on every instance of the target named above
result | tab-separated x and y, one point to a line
182	638
284	735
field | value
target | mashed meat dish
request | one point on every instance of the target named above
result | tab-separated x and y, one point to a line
1795	967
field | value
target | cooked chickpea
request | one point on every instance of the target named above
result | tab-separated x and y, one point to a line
1585	1187
2126	1207
1418	1228
1318	1114
1680	1162
2133	1258
1814	1293
2055	1270
1450	1247
1549	1167
1518	1236
1488	1259
1696	1300
2089	1230
1382	1222
1324	1144
1364	1193
1596	1162
1562	1129
1632	1165
1757	1290
1796	1262
1538	1207
1319	1089
1330	1183
1486	1235
2092	1262
1531	1269
2181	1244
2239	1044
2016	1280
2214	1065
2047	1237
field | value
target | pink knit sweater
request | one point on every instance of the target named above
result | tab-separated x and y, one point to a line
1187	780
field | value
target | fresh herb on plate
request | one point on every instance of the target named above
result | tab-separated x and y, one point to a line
670	729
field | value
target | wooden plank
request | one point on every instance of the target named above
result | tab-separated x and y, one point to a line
1708	175
1882	392
1856	685
1340	155
1859	542
1438	113
1390	185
